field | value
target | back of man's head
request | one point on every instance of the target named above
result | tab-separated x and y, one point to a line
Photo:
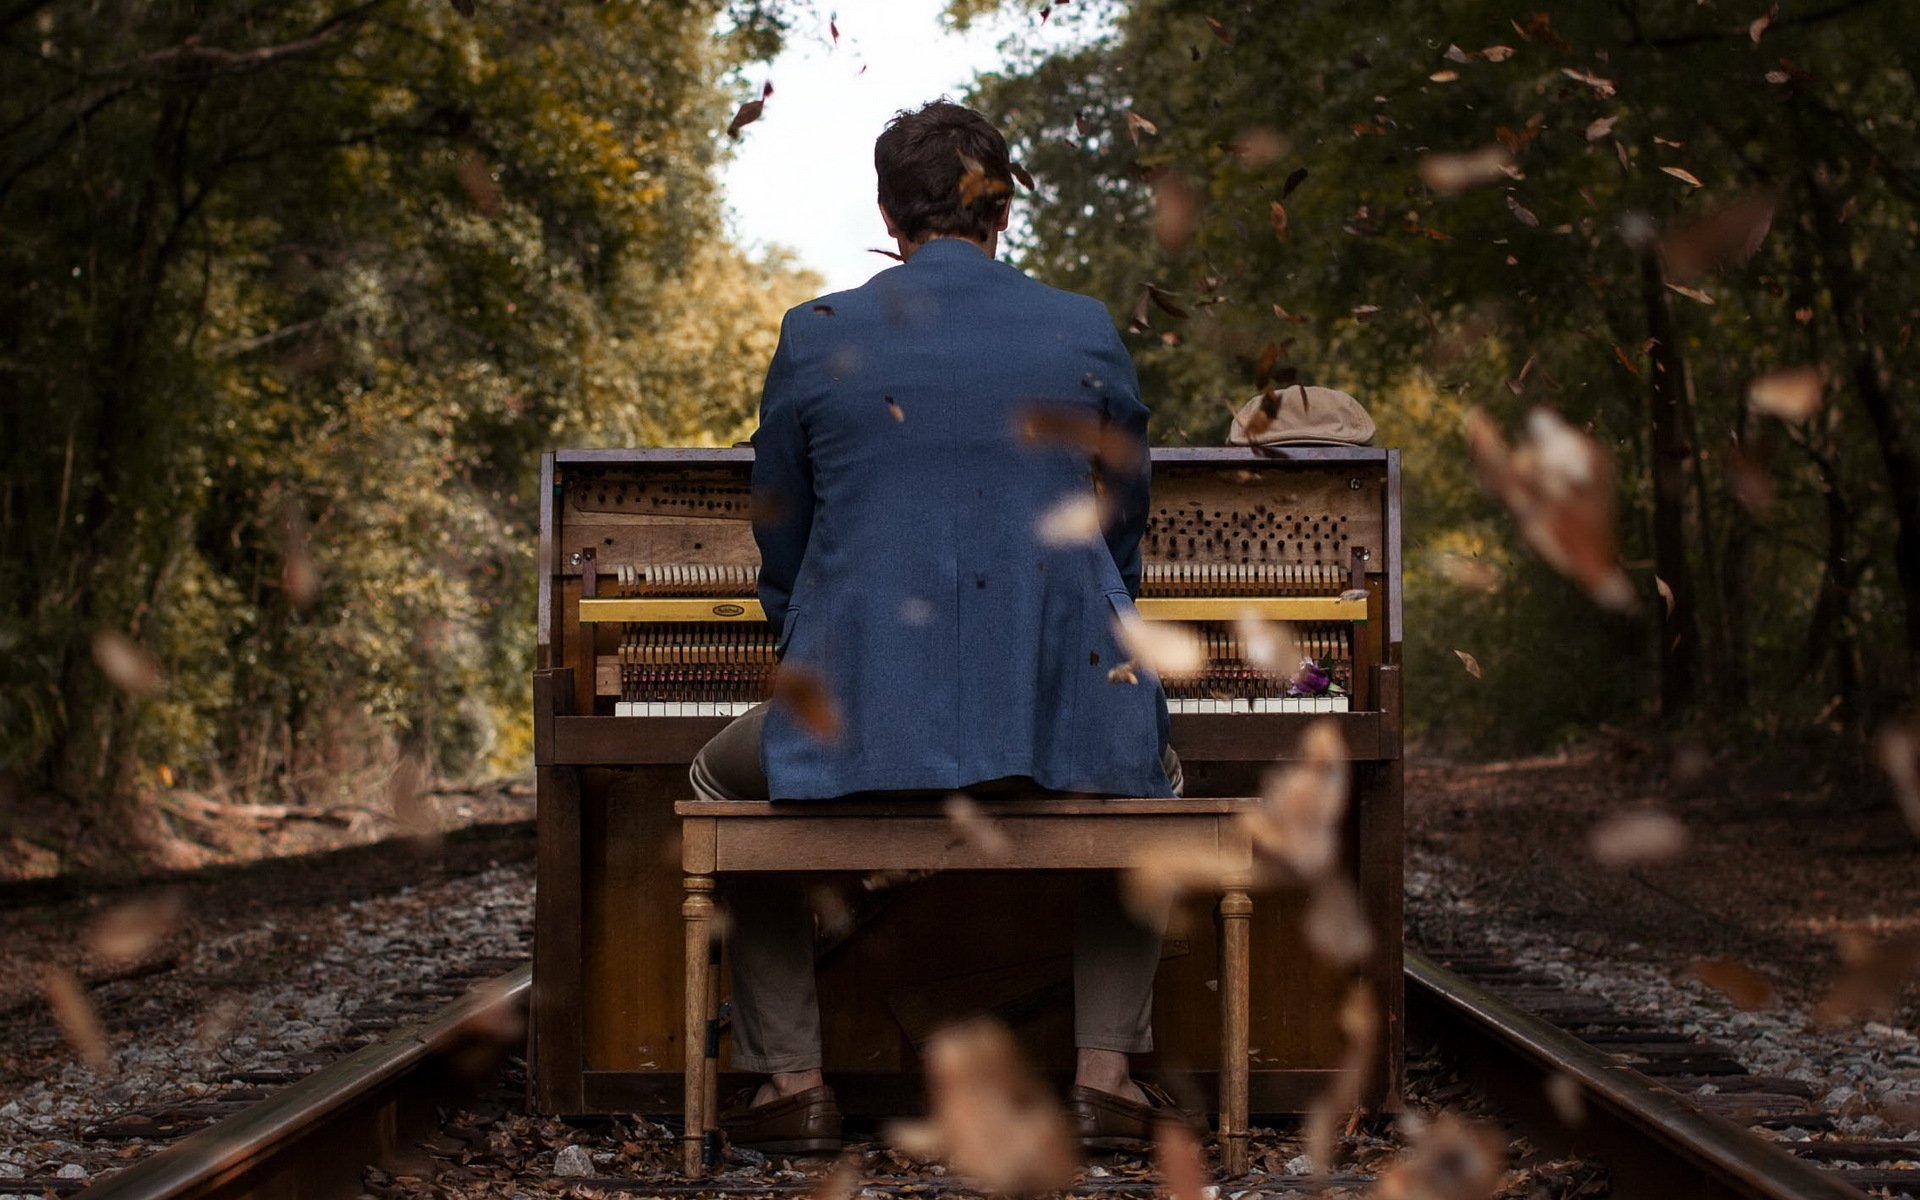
943	169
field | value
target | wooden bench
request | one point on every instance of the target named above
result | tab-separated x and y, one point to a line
1042	834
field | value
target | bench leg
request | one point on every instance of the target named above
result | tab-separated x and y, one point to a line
697	908
1236	946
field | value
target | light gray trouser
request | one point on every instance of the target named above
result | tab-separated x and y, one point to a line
776	1013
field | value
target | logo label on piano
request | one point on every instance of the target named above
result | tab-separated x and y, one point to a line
729	610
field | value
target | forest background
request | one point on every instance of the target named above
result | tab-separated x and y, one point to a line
294	296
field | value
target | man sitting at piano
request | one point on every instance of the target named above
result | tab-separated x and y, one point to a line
914	561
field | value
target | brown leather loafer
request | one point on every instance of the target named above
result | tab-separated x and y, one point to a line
1110	1122
804	1122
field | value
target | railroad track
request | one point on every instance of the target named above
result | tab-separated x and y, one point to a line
315	1138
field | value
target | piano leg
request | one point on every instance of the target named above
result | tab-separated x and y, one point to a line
1236	944
698	911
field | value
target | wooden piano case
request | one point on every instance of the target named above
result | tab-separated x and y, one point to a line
606	1022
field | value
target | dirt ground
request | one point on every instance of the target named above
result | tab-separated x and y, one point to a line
1774	874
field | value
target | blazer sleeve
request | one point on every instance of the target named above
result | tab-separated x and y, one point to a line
782	481
1127	473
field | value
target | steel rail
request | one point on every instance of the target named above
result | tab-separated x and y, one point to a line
1655	1144
314	1138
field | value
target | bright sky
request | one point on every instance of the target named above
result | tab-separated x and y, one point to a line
802	176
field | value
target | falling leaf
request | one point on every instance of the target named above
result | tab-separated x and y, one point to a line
1277	217
1630	839
1759	24
833	29
888	253
1454	53
1263	369
1080	430
126	932
1137	125
1072	522
1457	172
1475	574
894	410
1301	805
1730	234
1288	317
1022	174
840	1183
1683	175
974	826
1791	395
1468	661
1365	312
1449	1160
1667	141
1176	208
125	663
1873	976
1558	485
410	801
1691	293
1521	211
1359	1023
1444	76
1167	648
1266	645
995	1122
1568	1100
1803	315
1626	360
1600	128
1602	88
483	191
1897	746
1295	178
1220	31
825	310
1261	147
1497	54
976	183
299	577
1749	479
749	112
802	694
1666	593
73	1011
1122	673
1743	985
1335	928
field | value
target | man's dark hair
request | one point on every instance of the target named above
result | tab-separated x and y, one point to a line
943	169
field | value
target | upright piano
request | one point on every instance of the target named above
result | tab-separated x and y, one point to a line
650	639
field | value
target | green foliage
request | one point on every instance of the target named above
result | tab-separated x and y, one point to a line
1526	289
308	288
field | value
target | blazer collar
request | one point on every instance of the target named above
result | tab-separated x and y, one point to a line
948	249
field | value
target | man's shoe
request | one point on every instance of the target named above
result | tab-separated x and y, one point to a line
1110	1122
804	1122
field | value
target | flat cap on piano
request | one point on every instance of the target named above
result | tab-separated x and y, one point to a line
1301	416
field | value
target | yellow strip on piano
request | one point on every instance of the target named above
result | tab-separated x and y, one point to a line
609	609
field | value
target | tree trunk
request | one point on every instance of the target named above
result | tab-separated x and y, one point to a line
1668	453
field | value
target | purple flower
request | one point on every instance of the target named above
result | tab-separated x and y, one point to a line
1310	680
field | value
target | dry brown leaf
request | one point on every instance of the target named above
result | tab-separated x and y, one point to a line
1122	673
1137	125
126	663
1691	293
1260	147
1266	645
1684	176
1277	217
1365	312
1666	593
1457	172
1748	477
1169	870
1558	485
1897	747
126	932
1295	178
1793	394
1497	54
1301	805
1759	24
976	183
73	1011
1630	839
1167	648
1444	76
1471	572
839	1183
979	830
414	813
995	1121
1743	985
1219	31
1450	1159
802	694
750	112
1569	1101
1359	1021
1522	212
1468	661
1176	208
1602	88
1078	429
1730	234
1179	1162
1335	927
1600	128
1873	974
1072	522
894	410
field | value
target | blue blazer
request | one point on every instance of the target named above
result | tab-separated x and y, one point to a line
897	505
